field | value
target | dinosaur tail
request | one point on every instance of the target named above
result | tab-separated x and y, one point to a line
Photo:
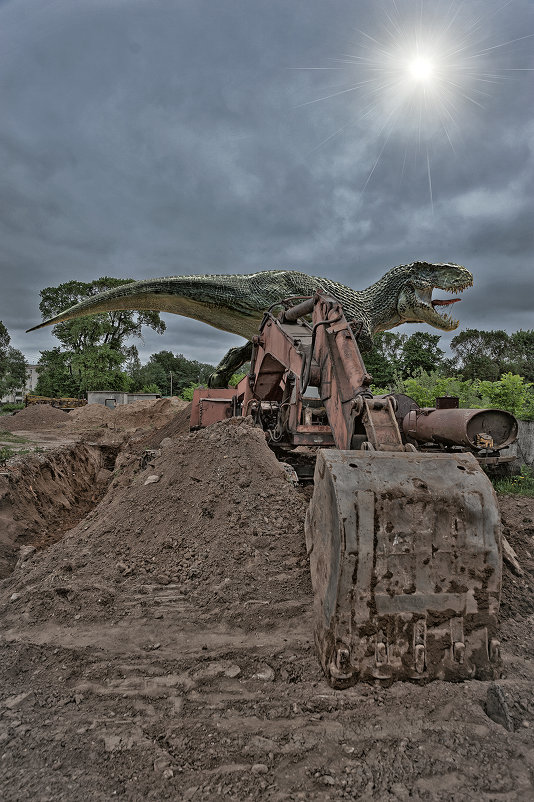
220	301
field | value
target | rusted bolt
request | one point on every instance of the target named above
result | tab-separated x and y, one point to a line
495	650
419	658
458	651
343	659
381	655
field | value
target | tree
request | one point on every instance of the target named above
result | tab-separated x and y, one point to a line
12	364
522	353
482	354
93	348
56	378
400	355
383	362
420	352
159	368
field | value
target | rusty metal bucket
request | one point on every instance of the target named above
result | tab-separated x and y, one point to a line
405	560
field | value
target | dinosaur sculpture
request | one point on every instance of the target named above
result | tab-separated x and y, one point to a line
235	303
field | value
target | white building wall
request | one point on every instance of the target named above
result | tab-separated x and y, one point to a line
31	382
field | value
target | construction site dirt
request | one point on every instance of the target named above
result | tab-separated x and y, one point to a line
156	637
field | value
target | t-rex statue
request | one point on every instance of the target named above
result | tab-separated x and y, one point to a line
236	303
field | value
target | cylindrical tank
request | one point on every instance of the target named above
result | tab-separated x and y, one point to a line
474	428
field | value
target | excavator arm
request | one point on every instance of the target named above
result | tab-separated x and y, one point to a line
403	530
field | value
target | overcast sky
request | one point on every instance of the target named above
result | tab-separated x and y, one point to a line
143	138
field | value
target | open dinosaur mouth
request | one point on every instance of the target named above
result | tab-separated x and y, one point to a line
437	304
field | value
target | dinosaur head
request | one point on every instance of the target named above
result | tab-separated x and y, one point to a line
415	302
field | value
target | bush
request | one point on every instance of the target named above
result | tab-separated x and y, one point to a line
6	453
150	388
187	392
521	485
511	392
5	409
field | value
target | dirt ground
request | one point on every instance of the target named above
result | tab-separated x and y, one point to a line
162	649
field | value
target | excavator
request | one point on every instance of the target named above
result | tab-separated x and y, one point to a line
403	530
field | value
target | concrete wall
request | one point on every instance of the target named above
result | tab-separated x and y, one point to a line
113	398
524	448
142	397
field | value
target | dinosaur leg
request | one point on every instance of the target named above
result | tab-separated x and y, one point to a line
228	365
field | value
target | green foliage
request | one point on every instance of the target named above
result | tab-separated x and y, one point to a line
6	409
187	392
486	355
64	373
107	328
150	388
12	364
56	378
521	485
397	355
420	352
510	392
6	453
161	366
236	378
12	438
93	349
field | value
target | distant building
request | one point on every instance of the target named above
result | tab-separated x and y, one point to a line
17	397
112	398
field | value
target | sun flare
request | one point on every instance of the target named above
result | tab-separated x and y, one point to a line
415	79
421	70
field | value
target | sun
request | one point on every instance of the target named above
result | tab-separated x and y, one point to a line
421	70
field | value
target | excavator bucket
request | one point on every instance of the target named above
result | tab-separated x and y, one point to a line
406	567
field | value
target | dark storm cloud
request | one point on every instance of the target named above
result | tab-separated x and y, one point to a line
144	138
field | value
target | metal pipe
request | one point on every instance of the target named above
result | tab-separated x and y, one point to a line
474	428
293	314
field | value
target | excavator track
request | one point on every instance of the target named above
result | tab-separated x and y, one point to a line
405	556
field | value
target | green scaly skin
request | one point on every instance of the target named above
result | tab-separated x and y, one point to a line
236	303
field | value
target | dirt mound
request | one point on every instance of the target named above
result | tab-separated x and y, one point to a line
34	418
147	414
91	415
214	516
177	426
129	418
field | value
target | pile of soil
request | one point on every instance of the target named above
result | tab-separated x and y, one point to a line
128	418
97	423
90	415
229	536
147	414
178	425
34	418
163	649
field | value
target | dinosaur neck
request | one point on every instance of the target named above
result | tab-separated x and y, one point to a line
381	298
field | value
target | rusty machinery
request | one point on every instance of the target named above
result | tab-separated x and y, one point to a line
403	528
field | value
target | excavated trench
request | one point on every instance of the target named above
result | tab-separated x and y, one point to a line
45	495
